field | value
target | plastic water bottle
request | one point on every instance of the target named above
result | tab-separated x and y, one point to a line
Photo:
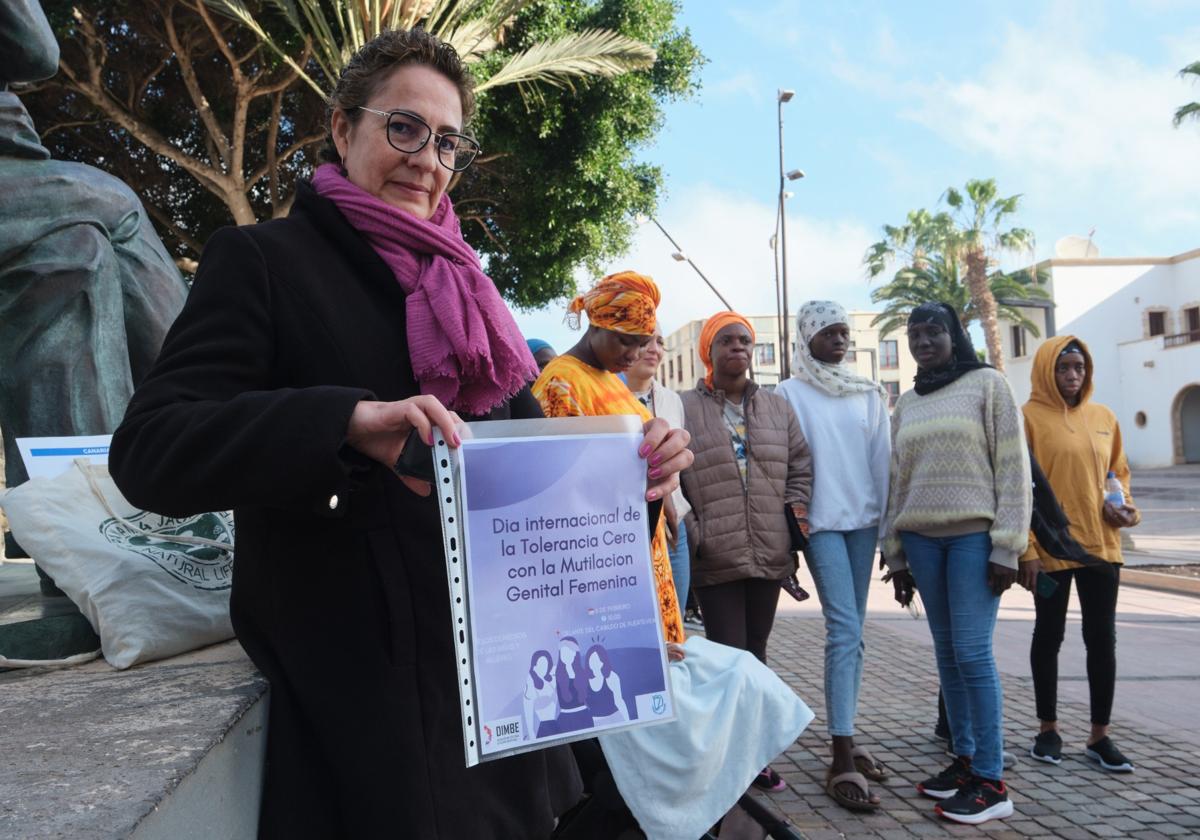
1113	491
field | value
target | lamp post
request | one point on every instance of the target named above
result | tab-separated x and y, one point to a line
783	96
679	256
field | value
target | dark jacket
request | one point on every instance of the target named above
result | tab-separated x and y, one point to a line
339	590
743	532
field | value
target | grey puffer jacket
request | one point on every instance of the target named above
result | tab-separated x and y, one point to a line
742	531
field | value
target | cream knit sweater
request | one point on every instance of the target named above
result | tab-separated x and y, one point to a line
960	465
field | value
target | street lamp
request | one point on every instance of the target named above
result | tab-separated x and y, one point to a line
781	289
679	256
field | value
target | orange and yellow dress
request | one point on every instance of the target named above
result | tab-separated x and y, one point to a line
569	387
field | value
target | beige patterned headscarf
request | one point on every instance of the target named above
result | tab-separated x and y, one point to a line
835	380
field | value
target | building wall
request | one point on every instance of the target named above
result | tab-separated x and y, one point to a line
1139	376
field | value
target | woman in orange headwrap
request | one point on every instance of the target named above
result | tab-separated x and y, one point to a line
582	382
751	461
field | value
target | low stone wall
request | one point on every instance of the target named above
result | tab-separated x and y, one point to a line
172	749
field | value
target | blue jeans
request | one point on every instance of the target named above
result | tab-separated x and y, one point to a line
952	576
681	567
840	562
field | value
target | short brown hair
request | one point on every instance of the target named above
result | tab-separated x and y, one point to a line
367	69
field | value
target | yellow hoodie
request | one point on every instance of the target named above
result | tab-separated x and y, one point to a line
1076	448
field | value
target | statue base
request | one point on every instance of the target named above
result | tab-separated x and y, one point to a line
34	626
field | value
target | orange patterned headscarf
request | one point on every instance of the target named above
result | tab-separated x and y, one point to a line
708	334
624	302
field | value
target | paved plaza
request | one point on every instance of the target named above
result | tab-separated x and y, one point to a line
1158	699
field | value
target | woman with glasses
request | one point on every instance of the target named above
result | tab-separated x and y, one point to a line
959	506
309	348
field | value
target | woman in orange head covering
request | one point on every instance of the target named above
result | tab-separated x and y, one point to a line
582	383
751	460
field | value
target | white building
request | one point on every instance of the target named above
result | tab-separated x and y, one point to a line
884	358
1141	320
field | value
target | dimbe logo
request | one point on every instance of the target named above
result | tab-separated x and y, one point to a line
503	732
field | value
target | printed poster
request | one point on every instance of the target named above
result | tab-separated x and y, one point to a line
565	638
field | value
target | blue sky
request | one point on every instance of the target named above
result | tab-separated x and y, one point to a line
1066	103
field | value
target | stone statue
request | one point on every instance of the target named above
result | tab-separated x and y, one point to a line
87	290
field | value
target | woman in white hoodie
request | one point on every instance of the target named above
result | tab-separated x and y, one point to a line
845	419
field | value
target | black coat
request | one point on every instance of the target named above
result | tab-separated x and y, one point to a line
339	589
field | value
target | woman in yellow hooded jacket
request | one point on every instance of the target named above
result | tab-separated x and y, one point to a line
1078	445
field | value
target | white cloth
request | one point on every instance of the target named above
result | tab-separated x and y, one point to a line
733	716
666	404
851	445
836	380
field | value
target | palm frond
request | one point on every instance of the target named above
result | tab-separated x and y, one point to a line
592	52
237	10
1192	110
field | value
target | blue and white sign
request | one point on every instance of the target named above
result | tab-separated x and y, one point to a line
48	457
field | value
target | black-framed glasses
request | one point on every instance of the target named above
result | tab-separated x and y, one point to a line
408	133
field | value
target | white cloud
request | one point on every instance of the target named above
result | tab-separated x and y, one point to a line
742	85
1072	119
727	236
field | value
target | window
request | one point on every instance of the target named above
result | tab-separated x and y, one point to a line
1192	316
1158	323
1018	341
889	355
680	360
670	369
764	354
851	354
893	391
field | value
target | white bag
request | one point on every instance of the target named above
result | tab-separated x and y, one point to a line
151	586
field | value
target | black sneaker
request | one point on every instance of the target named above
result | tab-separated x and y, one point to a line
946	784
1047	747
1110	758
978	801
942	730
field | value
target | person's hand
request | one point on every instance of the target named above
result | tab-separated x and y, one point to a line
801	513
675	652
1000	578
1118	516
380	429
665	450
904	587
671	519
1027	572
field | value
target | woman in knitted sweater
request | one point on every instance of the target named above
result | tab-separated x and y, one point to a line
959	504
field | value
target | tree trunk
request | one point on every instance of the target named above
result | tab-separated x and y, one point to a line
985	303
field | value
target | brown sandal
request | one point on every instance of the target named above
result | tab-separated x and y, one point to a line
857	779
866	764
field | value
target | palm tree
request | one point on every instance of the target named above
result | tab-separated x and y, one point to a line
911	244
1192	109
979	215
939	279
332	31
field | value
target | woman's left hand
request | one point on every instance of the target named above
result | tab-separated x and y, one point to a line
1118	516
665	450
1000	578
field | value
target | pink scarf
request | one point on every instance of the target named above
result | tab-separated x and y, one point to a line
465	346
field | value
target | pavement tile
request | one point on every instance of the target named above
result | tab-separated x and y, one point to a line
1076	801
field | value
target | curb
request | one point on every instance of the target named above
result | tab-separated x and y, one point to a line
1160	582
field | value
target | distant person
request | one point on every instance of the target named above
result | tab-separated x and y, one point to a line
583	382
1078	444
751	461
958	515
542	352
665	403
844	417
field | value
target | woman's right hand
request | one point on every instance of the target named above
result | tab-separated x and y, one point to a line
1027	572
380	429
